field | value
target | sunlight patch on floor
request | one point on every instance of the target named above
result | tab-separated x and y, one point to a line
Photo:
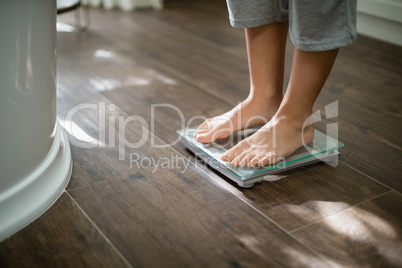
101	53
361	225
64	27
83	138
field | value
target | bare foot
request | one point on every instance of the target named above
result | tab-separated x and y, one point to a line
250	112
271	143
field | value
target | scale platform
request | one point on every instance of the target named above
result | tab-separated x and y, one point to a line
322	149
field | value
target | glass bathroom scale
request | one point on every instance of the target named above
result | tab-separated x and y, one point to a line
323	149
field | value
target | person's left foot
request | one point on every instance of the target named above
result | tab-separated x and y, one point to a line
252	111
270	144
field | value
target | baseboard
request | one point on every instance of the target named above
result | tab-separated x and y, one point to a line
380	19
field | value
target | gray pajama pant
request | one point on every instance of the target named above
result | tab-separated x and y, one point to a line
313	25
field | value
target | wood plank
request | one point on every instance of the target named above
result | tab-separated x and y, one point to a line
208	20
295	199
78	85
182	55
85	127
61	237
368	235
165	218
81	80
369	110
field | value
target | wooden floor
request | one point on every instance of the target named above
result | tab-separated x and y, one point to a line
183	214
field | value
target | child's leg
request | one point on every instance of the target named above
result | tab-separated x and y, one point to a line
283	134
266	51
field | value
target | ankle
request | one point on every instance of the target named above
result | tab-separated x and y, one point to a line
293	117
264	98
296	110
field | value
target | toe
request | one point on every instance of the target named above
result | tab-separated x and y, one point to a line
236	161
225	158
200	130
266	160
204	127
212	130
254	161
204	137
263	162
231	154
240	147
246	160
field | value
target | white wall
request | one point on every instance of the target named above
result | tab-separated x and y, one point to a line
380	19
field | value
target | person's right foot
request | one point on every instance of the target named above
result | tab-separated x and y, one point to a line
250	112
270	144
